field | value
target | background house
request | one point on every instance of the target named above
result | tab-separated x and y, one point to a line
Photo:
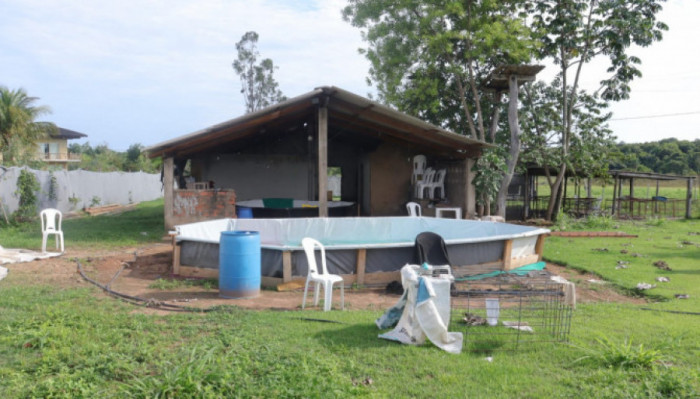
54	149
286	151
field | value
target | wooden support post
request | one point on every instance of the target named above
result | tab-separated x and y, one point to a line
656	201
360	265
631	197
539	246
469	193
689	199
176	256
168	191
614	198
507	254
286	266
322	161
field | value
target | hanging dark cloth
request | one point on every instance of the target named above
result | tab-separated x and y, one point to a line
430	248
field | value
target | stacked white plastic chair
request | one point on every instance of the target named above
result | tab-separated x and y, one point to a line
438	183
424	184
51	224
320	277
419	164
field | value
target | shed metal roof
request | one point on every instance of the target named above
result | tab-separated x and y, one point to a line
347	111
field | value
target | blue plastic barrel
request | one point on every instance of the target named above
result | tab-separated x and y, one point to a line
244	212
239	264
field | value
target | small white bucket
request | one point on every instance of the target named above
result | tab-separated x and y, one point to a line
492	311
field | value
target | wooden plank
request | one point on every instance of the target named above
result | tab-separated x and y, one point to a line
539	246
523	260
322	161
360	265
507	252
287	266
292	285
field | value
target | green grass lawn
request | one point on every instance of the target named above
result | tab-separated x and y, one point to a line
140	226
73	343
675	242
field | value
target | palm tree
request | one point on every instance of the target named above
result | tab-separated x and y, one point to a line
19	129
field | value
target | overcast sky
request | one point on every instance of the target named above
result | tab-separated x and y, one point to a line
145	71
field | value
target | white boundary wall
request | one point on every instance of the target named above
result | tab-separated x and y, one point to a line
110	187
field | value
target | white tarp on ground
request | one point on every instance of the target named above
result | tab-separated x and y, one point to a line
8	255
426	313
20	255
108	187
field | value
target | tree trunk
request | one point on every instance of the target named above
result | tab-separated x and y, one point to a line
556	192
514	146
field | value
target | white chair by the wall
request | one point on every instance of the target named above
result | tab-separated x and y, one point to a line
320	277
419	164
438	183
425	183
51	224
413	209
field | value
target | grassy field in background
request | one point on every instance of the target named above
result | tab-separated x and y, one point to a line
644	189
140	226
77	343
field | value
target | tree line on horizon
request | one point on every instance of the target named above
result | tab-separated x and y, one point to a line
666	156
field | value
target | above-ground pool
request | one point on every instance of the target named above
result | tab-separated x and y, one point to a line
364	250
290	208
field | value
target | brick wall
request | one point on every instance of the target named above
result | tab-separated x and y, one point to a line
199	205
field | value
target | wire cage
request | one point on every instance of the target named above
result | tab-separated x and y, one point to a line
511	312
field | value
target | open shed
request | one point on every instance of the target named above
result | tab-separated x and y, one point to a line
286	150
632	205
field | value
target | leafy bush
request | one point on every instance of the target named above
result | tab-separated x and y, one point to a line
624	355
53	187
27	186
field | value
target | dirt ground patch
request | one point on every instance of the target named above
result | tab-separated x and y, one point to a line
131	271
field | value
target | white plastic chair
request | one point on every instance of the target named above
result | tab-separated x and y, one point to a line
413	209
51	224
322	277
419	164
438	183
425	183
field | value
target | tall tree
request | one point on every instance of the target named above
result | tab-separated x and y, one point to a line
259	87
19	128
592	142
573	33
430	58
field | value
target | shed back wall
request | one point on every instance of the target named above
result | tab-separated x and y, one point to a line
257	176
